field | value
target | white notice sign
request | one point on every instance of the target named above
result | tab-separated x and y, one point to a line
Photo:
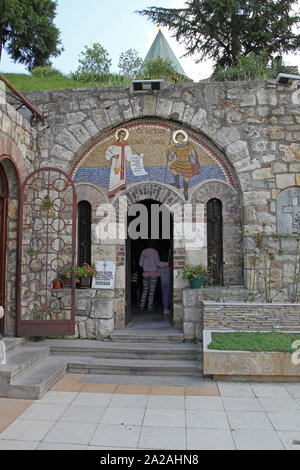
105	277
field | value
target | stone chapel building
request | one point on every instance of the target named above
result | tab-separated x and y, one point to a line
226	153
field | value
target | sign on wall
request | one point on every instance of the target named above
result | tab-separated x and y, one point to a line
105	277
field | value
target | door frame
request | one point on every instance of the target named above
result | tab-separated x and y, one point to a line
3	237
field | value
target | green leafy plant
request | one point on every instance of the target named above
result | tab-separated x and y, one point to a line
47	204
193	272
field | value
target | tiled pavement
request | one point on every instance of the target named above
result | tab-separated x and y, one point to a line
76	415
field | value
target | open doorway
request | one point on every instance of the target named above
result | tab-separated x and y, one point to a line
156	230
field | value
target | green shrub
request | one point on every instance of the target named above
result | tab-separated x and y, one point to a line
45	72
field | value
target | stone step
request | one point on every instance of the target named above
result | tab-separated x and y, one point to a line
19	361
12	344
38	380
133	366
136	350
132	334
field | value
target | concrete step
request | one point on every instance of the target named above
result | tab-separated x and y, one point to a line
12	344
134	334
120	349
38	380
133	366
20	360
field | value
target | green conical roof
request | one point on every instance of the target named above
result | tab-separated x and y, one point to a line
161	48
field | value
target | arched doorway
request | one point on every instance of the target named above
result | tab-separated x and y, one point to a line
3	228
149	223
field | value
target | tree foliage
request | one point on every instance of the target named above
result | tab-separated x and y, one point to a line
130	63
161	68
94	61
252	67
27	31
223	30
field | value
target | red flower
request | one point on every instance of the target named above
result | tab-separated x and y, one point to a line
213	250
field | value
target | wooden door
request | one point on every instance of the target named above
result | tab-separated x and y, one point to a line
215	239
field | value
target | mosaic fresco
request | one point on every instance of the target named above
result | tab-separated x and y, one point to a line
149	151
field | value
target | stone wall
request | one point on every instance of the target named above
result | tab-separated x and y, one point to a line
255	126
18	156
251	316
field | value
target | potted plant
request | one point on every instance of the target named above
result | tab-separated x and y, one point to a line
66	277
196	275
57	284
84	274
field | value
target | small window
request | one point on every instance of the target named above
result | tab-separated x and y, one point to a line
84	232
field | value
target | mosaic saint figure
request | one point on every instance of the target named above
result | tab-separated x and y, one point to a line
184	160
119	153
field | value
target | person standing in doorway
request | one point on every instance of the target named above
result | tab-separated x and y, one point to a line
150	262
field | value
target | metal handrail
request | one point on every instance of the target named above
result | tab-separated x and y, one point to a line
23	99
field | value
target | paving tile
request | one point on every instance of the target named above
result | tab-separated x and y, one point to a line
242	404
258	440
26	430
11	408
72	377
64	432
249	420
58	398
206	419
83	414
109	448
92	399
204	403
235	389
4	422
98	388
129	401
59	446
68	387
285	421
133	389
43	411
116	435
18	445
263	390
123	416
215	439
207	389
166	438
164	418
164	402
280	404
158	390
293	389
290	439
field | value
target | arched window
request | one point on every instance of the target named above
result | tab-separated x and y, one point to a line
215	239
84	232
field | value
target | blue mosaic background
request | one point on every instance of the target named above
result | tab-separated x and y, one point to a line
100	175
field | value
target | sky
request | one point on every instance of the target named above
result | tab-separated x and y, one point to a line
115	25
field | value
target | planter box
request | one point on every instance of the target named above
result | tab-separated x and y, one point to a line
247	365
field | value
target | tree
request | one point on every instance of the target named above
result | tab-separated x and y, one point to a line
161	68
224	29
252	67
130	63
27	31
94	61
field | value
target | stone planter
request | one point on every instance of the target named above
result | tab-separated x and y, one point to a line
247	365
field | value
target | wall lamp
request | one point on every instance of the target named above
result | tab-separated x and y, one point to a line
287	78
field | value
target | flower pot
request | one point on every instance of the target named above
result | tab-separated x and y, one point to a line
66	282
85	282
196	283
57	284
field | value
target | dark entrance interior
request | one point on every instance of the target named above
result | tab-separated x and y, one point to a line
159	232
215	240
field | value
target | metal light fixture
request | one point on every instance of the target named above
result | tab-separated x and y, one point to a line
147	85
287	78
